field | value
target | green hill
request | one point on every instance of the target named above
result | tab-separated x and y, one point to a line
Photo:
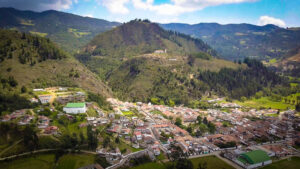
69	31
37	62
127	59
109	49
237	41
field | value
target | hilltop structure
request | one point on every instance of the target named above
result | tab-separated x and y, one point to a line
75	108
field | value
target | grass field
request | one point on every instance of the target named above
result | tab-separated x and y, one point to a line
265	102
294	163
43	161
74	161
151	165
213	162
127	113
47	161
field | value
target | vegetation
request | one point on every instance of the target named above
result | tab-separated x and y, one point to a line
291	163
49	161
134	38
28	49
69	31
237	41
35	62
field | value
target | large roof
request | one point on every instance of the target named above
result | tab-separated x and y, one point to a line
75	105
256	156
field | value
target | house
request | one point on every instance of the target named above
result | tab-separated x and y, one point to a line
75	108
51	130
254	159
45	98
138	135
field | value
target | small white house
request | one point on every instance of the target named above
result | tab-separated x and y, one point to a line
45	98
75	108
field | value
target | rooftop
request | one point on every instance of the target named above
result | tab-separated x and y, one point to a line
75	105
256	156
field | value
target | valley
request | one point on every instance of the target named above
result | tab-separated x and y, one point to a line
79	92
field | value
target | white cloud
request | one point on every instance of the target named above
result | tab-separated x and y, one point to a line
88	15
38	5
177	7
264	20
116	6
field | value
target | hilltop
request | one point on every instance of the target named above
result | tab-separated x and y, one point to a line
237	41
69	31
109	49
37	62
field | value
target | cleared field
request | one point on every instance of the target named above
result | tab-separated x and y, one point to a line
47	161
293	163
265	102
213	162
127	113
43	161
74	161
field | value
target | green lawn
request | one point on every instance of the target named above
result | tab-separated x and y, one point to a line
43	161
294	163
74	161
127	113
265	102
272	115
213	162
47	161
152	165
91	112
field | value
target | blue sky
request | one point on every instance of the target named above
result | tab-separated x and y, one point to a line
284	13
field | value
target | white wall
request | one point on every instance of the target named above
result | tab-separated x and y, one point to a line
75	110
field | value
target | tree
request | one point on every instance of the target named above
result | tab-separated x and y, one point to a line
202	165
178	122
92	138
190	129
117	140
30	138
184	164
23	89
205	121
199	119
12	82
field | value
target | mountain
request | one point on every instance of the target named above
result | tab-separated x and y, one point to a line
289	65
109	49
237	41
69	31
37	62
141	62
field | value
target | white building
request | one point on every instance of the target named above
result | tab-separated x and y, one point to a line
75	108
45	98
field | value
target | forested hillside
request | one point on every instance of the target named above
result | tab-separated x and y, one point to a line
108	50
34	61
71	32
237	41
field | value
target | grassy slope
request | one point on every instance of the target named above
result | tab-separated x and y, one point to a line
74	161
151	69
266	103
294	163
53	72
43	161
47	161
213	162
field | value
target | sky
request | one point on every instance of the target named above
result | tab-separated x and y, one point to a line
283	13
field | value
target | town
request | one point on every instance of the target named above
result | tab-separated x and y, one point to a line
232	132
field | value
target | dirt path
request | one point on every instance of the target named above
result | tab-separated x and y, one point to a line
5	150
